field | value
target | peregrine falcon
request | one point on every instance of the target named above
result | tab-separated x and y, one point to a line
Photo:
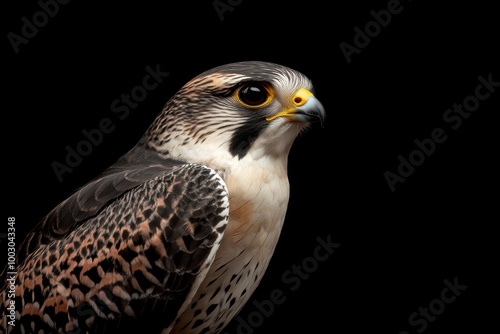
177	234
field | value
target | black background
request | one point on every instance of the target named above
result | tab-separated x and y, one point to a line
396	248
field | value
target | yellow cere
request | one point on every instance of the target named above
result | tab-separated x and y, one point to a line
299	99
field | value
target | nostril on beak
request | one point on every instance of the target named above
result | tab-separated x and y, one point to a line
301	96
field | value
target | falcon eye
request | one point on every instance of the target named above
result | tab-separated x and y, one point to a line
253	94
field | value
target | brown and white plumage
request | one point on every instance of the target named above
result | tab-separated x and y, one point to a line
178	233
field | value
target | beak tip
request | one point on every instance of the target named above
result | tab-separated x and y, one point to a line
315	110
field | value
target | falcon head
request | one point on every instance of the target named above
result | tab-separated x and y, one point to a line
245	109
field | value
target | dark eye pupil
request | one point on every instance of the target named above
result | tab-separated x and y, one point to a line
253	94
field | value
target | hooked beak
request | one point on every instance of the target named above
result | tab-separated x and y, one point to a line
305	108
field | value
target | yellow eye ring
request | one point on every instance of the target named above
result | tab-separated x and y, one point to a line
254	94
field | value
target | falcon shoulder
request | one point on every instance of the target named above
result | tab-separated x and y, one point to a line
136	167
